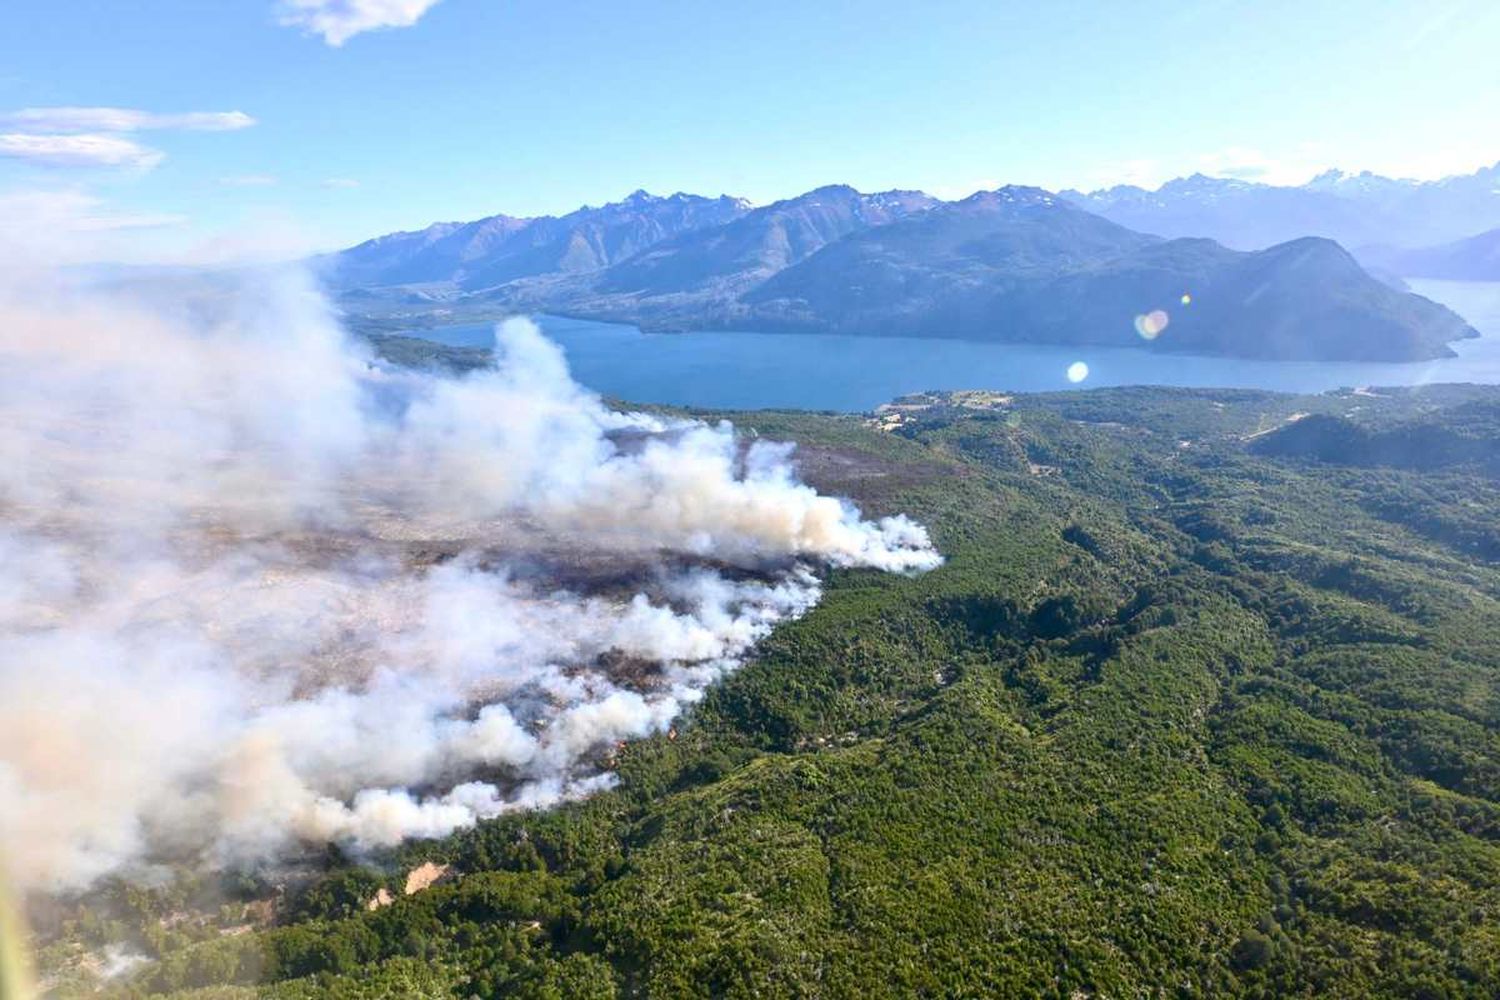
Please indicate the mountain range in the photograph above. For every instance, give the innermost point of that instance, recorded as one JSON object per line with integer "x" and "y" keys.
{"x": 501, "y": 248}
{"x": 1014, "y": 264}
{"x": 1476, "y": 258}
{"x": 1357, "y": 210}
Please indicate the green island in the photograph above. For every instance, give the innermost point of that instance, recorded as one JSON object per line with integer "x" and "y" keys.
{"x": 1204, "y": 702}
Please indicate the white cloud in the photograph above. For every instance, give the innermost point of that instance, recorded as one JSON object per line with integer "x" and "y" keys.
{"x": 94, "y": 137}
{"x": 248, "y": 180}
{"x": 340, "y": 20}
{"x": 73, "y": 119}
{"x": 113, "y": 222}
{"x": 66, "y": 223}
{"x": 345, "y": 183}
{"x": 1246, "y": 164}
{"x": 1141, "y": 172}
{"x": 40, "y": 227}
{"x": 86, "y": 150}
{"x": 73, "y": 211}
{"x": 953, "y": 191}
{"x": 1435, "y": 161}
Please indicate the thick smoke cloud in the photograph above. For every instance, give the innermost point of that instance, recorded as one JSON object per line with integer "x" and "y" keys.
{"x": 259, "y": 591}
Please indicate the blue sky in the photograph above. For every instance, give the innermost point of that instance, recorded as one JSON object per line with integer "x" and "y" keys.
{"x": 533, "y": 106}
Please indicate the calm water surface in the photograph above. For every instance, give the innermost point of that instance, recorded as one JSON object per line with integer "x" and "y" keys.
{"x": 731, "y": 370}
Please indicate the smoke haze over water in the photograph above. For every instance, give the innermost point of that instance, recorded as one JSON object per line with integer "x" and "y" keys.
{"x": 259, "y": 591}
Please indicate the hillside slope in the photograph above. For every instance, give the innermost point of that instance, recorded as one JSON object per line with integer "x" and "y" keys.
{"x": 1021, "y": 265}
{"x": 1476, "y": 258}
{"x": 1016, "y": 264}
{"x": 502, "y": 248}
{"x": 1173, "y": 712}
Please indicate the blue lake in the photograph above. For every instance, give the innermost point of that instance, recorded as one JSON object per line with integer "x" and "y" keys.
{"x": 732, "y": 370}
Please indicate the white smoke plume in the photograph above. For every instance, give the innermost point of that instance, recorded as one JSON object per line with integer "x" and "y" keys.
{"x": 260, "y": 591}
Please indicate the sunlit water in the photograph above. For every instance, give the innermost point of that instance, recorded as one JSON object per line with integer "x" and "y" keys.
{"x": 733, "y": 370}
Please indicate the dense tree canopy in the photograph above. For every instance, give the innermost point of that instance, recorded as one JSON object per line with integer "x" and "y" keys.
{"x": 1200, "y": 705}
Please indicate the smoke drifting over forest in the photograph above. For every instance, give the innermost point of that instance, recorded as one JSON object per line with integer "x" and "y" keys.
{"x": 259, "y": 591}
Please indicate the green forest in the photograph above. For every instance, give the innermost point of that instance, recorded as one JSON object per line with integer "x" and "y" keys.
{"x": 1203, "y": 703}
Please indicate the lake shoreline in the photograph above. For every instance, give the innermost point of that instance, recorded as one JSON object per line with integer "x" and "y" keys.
{"x": 741, "y": 370}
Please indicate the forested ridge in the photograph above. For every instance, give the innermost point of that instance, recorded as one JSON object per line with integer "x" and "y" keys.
{"x": 1197, "y": 706}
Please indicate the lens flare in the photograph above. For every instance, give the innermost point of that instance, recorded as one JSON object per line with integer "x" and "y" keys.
{"x": 1078, "y": 371}
{"x": 1187, "y": 299}
{"x": 1151, "y": 324}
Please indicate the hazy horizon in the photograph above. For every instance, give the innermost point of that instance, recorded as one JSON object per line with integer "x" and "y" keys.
{"x": 313, "y": 125}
